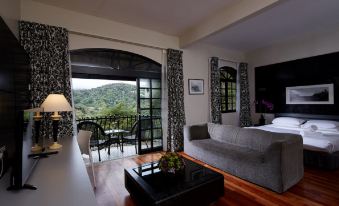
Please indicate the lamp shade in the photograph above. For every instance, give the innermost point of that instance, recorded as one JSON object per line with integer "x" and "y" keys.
{"x": 56, "y": 103}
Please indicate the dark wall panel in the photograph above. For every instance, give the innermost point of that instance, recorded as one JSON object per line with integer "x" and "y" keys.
{"x": 271, "y": 82}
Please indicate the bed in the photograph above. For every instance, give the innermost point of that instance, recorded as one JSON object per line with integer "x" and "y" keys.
{"x": 321, "y": 148}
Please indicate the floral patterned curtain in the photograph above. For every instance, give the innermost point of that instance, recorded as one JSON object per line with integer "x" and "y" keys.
{"x": 215, "y": 91}
{"x": 176, "y": 110}
{"x": 47, "y": 47}
{"x": 245, "y": 106}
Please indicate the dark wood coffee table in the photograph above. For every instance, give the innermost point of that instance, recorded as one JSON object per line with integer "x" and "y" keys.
{"x": 197, "y": 185}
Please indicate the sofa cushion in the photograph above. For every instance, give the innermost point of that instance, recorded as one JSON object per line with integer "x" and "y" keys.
{"x": 223, "y": 133}
{"x": 198, "y": 131}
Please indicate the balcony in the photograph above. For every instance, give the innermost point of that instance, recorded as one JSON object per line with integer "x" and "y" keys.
{"x": 123, "y": 135}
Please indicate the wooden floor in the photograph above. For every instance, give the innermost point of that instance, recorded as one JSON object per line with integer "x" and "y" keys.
{"x": 317, "y": 187}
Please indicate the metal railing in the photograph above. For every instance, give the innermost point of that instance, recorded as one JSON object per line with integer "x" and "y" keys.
{"x": 113, "y": 122}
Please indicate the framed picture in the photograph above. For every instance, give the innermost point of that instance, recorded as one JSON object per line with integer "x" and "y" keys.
{"x": 312, "y": 94}
{"x": 196, "y": 86}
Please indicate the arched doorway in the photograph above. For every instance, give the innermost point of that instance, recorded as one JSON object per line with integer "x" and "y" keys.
{"x": 110, "y": 64}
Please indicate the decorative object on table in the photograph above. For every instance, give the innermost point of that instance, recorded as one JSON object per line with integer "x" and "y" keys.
{"x": 56, "y": 103}
{"x": 171, "y": 163}
{"x": 196, "y": 86}
{"x": 264, "y": 107}
{"x": 312, "y": 94}
{"x": 37, "y": 122}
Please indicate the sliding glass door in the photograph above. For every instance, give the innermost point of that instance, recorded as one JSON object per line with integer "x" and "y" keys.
{"x": 149, "y": 108}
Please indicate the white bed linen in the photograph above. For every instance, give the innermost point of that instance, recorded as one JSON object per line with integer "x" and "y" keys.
{"x": 324, "y": 141}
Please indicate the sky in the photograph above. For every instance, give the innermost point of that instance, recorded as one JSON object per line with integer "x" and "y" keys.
{"x": 94, "y": 83}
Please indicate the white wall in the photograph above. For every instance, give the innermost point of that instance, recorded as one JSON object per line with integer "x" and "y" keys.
{"x": 10, "y": 12}
{"x": 196, "y": 66}
{"x": 296, "y": 49}
{"x": 195, "y": 58}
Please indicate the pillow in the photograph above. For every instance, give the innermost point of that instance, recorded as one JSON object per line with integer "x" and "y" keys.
{"x": 321, "y": 124}
{"x": 288, "y": 121}
{"x": 222, "y": 133}
{"x": 335, "y": 130}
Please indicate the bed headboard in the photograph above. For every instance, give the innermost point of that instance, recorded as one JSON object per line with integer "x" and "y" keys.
{"x": 308, "y": 116}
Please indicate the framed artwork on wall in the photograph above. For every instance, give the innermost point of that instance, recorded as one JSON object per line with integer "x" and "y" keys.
{"x": 312, "y": 94}
{"x": 196, "y": 86}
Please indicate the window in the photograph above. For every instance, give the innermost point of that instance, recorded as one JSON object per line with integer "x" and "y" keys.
{"x": 228, "y": 82}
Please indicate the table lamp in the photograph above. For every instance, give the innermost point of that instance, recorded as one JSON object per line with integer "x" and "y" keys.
{"x": 37, "y": 122}
{"x": 56, "y": 103}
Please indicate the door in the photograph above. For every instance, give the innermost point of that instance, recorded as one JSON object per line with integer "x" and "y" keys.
{"x": 149, "y": 109}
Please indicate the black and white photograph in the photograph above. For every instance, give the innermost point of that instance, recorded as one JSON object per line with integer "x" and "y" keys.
{"x": 196, "y": 86}
{"x": 312, "y": 94}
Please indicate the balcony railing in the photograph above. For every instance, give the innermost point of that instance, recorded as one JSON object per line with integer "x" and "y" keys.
{"x": 125, "y": 122}
{"x": 113, "y": 122}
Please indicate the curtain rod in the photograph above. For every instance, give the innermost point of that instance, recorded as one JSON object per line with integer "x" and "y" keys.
{"x": 115, "y": 40}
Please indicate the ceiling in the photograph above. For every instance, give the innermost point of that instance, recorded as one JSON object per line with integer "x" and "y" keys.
{"x": 279, "y": 22}
{"x": 171, "y": 17}
{"x": 291, "y": 19}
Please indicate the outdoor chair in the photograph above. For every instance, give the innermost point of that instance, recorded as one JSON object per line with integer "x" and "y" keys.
{"x": 132, "y": 137}
{"x": 99, "y": 139}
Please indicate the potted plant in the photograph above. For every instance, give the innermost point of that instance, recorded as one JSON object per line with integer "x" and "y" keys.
{"x": 266, "y": 106}
{"x": 171, "y": 163}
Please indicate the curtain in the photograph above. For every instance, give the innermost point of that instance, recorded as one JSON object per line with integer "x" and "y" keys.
{"x": 215, "y": 91}
{"x": 164, "y": 98}
{"x": 176, "y": 110}
{"x": 47, "y": 47}
{"x": 245, "y": 106}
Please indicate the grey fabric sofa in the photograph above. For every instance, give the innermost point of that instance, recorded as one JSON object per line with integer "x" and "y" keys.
{"x": 268, "y": 159}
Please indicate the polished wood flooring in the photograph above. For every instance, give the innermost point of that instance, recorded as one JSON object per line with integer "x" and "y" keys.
{"x": 316, "y": 188}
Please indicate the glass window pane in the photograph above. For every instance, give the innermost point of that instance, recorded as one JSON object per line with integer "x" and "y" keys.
{"x": 156, "y": 83}
{"x": 156, "y": 112}
{"x": 157, "y": 133}
{"x": 229, "y": 92}
{"x": 145, "y": 124}
{"x": 145, "y": 83}
{"x": 223, "y": 92}
{"x": 145, "y": 112}
{"x": 223, "y": 100}
{"x": 156, "y": 93}
{"x": 145, "y": 93}
{"x": 223, "y": 85}
{"x": 144, "y": 103}
{"x": 223, "y": 107}
{"x": 156, "y": 123}
{"x": 156, "y": 103}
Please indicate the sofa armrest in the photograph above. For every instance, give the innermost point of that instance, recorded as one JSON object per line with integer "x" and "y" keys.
{"x": 196, "y": 132}
{"x": 287, "y": 155}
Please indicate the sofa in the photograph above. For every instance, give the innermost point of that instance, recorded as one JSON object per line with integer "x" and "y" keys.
{"x": 271, "y": 160}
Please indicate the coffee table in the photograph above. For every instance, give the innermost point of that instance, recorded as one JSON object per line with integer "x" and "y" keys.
{"x": 196, "y": 185}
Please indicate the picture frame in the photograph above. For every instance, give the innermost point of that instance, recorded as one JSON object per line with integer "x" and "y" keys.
{"x": 311, "y": 94}
{"x": 196, "y": 86}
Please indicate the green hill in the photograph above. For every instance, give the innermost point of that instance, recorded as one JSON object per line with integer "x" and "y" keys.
{"x": 111, "y": 99}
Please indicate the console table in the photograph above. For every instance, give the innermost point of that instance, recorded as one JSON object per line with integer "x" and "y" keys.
{"x": 61, "y": 179}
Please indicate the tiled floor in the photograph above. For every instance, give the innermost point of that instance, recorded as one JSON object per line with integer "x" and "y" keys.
{"x": 129, "y": 150}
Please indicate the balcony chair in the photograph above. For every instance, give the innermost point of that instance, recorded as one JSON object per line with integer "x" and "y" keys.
{"x": 132, "y": 137}
{"x": 99, "y": 139}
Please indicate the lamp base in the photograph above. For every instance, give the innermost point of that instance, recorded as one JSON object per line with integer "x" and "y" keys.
{"x": 36, "y": 148}
{"x": 55, "y": 146}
